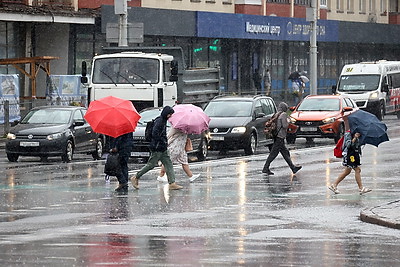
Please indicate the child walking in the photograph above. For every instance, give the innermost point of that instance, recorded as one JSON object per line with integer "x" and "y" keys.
{"x": 351, "y": 161}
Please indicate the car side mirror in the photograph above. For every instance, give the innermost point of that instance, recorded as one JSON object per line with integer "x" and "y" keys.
{"x": 260, "y": 115}
{"x": 84, "y": 78}
{"x": 385, "y": 88}
{"x": 14, "y": 123}
{"x": 345, "y": 109}
{"x": 79, "y": 123}
{"x": 292, "y": 108}
{"x": 174, "y": 71}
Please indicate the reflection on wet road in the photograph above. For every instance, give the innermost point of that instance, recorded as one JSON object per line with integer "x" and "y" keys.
{"x": 58, "y": 214}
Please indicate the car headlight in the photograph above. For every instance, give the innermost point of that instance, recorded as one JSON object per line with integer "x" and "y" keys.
{"x": 374, "y": 95}
{"x": 329, "y": 120}
{"x": 11, "y": 136}
{"x": 292, "y": 120}
{"x": 51, "y": 137}
{"x": 239, "y": 129}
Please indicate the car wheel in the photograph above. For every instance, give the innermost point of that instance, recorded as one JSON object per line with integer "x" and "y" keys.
{"x": 380, "y": 113}
{"x": 12, "y": 157}
{"x": 68, "y": 152}
{"x": 340, "y": 133}
{"x": 398, "y": 114}
{"x": 203, "y": 150}
{"x": 251, "y": 145}
{"x": 98, "y": 153}
{"x": 290, "y": 138}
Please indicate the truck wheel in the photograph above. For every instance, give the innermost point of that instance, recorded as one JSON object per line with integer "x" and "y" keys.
{"x": 12, "y": 157}
{"x": 290, "y": 138}
{"x": 203, "y": 150}
{"x": 68, "y": 152}
{"x": 398, "y": 114}
{"x": 98, "y": 153}
{"x": 251, "y": 145}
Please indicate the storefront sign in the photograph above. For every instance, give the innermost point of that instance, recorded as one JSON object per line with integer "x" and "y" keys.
{"x": 263, "y": 27}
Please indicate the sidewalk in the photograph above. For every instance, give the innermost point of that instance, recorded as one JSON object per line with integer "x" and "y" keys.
{"x": 386, "y": 215}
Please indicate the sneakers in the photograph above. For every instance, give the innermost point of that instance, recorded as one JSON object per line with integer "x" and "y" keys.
{"x": 333, "y": 189}
{"x": 267, "y": 172}
{"x": 135, "y": 182}
{"x": 296, "y": 169}
{"x": 194, "y": 177}
{"x": 174, "y": 186}
{"x": 364, "y": 190}
{"x": 122, "y": 188}
{"x": 162, "y": 179}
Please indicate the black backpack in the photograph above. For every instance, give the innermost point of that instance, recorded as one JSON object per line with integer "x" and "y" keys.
{"x": 270, "y": 128}
{"x": 149, "y": 130}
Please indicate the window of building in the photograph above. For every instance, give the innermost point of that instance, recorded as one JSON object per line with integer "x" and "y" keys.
{"x": 350, "y": 6}
{"x": 361, "y": 6}
{"x": 383, "y": 7}
{"x": 339, "y": 5}
{"x": 11, "y": 44}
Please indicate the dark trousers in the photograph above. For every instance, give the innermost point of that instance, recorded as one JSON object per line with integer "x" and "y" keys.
{"x": 123, "y": 162}
{"x": 278, "y": 146}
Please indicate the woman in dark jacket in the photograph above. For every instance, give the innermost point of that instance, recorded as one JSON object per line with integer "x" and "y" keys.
{"x": 159, "y": 150}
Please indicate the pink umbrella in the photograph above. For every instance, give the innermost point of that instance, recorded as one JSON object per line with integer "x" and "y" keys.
{"x": 189, "y": 119}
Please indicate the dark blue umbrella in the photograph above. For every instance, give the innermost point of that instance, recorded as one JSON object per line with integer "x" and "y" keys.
{"x": 372, "y": 130}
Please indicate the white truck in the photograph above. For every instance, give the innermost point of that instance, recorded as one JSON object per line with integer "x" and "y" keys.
{"x": 149, "y": 77}
{"x": 374, "y": 86}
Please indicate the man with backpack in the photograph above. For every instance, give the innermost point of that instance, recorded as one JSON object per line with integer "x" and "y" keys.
{"x": 282, "y": 124}
{"x": 159, "y": 150}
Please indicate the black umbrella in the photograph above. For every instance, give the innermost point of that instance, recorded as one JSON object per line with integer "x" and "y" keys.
{"x": 294, "y": 76}
{"x": 372, "y": 130}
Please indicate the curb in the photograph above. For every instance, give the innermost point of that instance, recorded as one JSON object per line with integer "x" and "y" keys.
{"x": 381, "y": 215}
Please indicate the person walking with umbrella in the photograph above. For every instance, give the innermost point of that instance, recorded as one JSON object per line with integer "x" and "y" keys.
{"x": 123, "y": 146}
{"x": 159, "y": 151}
{"x": 176, "y": 148}
{"x": 351, "y": 161}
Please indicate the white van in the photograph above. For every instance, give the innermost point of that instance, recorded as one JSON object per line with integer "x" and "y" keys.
{"x": 374, "y": 86}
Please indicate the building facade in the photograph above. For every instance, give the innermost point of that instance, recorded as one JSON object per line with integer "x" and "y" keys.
{"x": 241, "y": 37}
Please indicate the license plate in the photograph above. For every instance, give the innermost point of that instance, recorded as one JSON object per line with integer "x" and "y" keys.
{"x": 217, "y": 138}
{"x": 140, "y": 154}
{"x": 309, "y": 129}
{"x": 28, "y": 144}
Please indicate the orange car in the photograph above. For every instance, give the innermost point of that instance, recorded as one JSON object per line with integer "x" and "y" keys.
{"x": 320, "y": 116}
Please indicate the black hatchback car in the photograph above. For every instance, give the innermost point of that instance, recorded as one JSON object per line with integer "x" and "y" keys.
{"x": 237, "y": 122}
{"x": 53, "y": 131}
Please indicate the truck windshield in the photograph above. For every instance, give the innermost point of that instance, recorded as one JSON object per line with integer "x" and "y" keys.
{"x": 126, "y": 70}
{"x": 358, "y": 82}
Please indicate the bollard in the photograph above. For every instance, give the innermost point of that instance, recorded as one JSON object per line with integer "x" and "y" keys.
{"x": 6, "y": 116}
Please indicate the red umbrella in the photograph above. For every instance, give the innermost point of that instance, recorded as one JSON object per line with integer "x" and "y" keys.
{"x": 189, "y": 119}
{"x": 112, "y": 116}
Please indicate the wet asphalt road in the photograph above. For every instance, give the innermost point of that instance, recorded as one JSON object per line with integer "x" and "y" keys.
{"x": 58, "y": 214}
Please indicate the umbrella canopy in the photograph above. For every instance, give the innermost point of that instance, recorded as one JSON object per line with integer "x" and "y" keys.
{"x": 304, "y": 79}
{"x": 372, "y": 130}
{"x": 189, "y": 119}
{"x": 112, "y": 116}
{"x": 294, "y": 75}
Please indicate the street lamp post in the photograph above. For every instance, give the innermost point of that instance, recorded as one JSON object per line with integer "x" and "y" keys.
{"x": 312, "y": 16}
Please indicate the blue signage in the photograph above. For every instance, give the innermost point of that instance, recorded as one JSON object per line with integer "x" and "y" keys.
{"x": 241, "y": 26}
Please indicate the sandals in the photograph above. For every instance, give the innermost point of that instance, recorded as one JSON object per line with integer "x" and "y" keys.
{"x": 364, "y": 190}
{"x": 334, "y": 189}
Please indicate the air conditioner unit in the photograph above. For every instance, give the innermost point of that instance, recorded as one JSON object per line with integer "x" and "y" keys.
{"x": 372, "y": 18}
